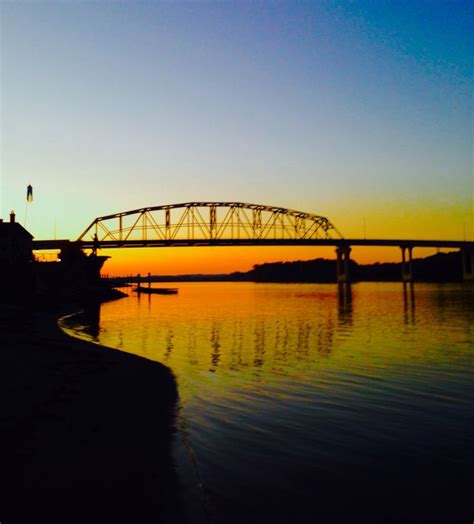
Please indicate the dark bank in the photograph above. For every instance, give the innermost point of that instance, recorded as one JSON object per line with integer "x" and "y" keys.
{"x": 85, "y": 432}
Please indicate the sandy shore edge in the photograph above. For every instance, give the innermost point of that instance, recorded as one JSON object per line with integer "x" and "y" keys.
{"x": 85, "y": 432}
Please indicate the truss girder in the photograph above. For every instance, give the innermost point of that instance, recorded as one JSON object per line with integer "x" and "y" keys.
{"x": 210, "y": 221}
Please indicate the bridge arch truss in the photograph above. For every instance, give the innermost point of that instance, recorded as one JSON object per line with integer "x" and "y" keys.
{"x": 208, "y": 223}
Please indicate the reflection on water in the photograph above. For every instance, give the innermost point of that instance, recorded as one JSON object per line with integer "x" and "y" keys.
{"x": 409, "y": 303}
{"x": 344, "y": 401}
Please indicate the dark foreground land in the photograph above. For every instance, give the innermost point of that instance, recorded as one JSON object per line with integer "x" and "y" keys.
{"x": 85, "y": 433}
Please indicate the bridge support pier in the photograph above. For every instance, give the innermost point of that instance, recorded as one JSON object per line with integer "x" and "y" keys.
{"x": 467, "y": 254}
{"x": 343, "y": 264}
{"x": 407, "y": 265}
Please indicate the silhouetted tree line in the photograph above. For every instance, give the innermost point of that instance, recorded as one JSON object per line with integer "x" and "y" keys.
{"x": 442, "y": 267}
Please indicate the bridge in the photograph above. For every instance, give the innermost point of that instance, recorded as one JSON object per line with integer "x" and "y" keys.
{"x": 239, "y": 224}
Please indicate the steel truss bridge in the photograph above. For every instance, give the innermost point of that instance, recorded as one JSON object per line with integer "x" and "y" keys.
{"x": 237, "y": 224}
{"x": 207, "y": 223}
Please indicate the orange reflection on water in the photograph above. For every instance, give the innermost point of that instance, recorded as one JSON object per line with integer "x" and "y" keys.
{"x": 360, "y": 394}
{"x": 241, "y": 333}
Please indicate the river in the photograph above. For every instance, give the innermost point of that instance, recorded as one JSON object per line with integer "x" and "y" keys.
{"x": 310, "y": 403}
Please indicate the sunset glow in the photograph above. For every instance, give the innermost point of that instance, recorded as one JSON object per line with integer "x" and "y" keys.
{"x": 357, "y": 112}
{"x": 237, "y": 261}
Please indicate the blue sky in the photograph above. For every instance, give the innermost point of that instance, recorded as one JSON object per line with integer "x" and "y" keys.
{"x": 355, "y": 110}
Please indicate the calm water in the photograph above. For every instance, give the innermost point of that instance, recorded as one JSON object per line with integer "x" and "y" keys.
{"x": 305, "y": 404}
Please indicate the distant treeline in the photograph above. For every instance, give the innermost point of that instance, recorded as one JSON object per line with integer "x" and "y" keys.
{"x": 442, "y": 267}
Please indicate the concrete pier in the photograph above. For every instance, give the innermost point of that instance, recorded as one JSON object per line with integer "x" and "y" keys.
{"x": 343, "y": 264}
{"x": 467, "y": 254}
{"x": 407, "y": 265}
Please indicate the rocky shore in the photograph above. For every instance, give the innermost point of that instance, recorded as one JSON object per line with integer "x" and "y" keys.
{"x": 85, "y": 432}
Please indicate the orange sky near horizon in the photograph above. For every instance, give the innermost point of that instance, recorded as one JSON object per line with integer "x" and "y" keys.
{"x": 216, "y": 260}
{"x": 385, "y": 219}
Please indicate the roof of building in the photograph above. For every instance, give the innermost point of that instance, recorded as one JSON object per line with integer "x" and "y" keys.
{"x": 9, "y": 228}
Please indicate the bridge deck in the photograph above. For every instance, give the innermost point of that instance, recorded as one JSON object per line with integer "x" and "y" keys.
{"x": 40, "y": 245}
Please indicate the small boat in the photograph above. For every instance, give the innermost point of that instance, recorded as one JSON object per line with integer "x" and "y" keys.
{"x": 157, "y": 290}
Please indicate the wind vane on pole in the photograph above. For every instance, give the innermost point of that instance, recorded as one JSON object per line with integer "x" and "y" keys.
{"x": 29, "y": 198}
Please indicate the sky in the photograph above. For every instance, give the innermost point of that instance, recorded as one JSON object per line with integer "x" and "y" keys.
{"x": 358, "y": 111}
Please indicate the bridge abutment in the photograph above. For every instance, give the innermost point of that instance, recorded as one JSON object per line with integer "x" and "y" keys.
{"x": 343, "y": 264}
{"x": 467, "y": 255}
{"x": 407, "y": 264}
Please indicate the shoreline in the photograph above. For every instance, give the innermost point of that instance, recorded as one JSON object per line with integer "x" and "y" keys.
{"x": 194, "y": 505}
{"x": 86, "y": 435}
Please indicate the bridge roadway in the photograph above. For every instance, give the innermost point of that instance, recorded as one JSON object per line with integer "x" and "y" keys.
{"x": 40, "y": 245}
